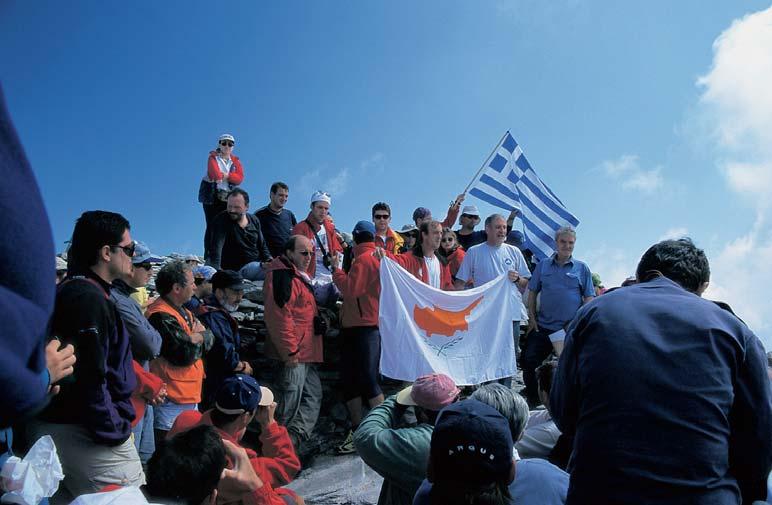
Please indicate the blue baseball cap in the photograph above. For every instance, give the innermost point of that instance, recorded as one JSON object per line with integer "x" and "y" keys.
{"x": 241, "y": 393}
{"x": 515, "y": 237}
{"x": 204, "y": 272}
{"x": 471, "y": 442}
{"x": 142, "y": 254}
{"x": 364, "y": 227}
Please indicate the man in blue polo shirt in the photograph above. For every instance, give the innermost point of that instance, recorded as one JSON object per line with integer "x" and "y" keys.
{"x": 565, "y": 284}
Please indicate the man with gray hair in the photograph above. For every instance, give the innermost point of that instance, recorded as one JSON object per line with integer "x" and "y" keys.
{"x": 537, "y": 482}
{"x": 491, "y": 259}
{"x": 565, "y": 284}
{"x": 184, "y": 339}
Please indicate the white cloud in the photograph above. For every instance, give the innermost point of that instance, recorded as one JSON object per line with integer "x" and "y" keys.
{"x": 674, "y": 233}
{"x": 627, "y": 170}
{"x": 336, "y": 183}
{"x": 611, "y": 263}
{"x": 735, "y": 110}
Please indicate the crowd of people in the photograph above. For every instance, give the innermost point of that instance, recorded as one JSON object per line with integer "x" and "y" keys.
{"x": 646, "y": 393}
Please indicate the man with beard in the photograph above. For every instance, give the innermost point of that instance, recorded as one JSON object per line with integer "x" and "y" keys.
{"x": 223, "y": 358}
{"x": 237, "y": 239}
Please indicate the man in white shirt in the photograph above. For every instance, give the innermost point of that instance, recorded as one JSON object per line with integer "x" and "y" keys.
{"x": 489, "y": 260}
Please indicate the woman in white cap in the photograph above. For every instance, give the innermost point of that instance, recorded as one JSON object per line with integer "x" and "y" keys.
{"x": 223, "y": 173}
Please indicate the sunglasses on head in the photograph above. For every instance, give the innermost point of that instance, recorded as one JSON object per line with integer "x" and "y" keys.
{"x": 381, "y": 216}
{"x": 226, "y": 143}
{"x": 146, "y": 266}
{"x": 127, "y": 249}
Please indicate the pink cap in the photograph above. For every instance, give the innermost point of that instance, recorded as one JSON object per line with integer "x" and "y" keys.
{"x": 432, "y": 392}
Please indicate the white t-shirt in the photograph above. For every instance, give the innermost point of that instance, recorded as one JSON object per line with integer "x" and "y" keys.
{"x": 225, "y": 169}
{"x": 433, "y": 271}
{"x": 323, "y": 273}
{"x": 483, "y": 263}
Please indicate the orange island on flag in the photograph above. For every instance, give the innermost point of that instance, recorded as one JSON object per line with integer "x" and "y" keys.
{"x": 437, "y": 321}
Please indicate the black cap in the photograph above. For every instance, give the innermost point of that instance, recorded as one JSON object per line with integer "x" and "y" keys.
{"x": 228, "y": 279}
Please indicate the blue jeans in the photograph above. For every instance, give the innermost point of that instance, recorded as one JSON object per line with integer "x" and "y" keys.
{"x": 253, "y": 271}
{"x": 144, "y": 440}
{"x": 167, "y": 412}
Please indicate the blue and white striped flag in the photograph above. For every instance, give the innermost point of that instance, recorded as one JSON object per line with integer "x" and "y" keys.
{"x": 509, "y": 182}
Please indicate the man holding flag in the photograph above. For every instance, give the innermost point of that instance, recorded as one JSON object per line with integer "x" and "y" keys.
{"x": 491, "y": 259}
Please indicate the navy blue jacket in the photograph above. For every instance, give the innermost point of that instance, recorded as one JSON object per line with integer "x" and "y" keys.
{"x": 26, "y": 279}
{"x": 99, "y": 394}
{"x": 668, "y": 398}
{"x": 223, "y": 357}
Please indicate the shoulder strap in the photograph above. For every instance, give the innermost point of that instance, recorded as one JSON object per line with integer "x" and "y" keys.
{"x": 316, "y": 236}
{"x": 82, "y": 278}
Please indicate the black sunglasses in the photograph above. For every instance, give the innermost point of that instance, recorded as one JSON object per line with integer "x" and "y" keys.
{"x": 128, "y": 249}
{"x": 146, "y": 266}
{"x": 381, "y": 216}
{"x": 305, "y": 253}
{"x": 226, "y": 143}
{"x": 448, "y": 239}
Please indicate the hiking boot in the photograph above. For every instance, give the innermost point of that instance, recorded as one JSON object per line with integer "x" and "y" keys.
{"x": 347, "y": 447}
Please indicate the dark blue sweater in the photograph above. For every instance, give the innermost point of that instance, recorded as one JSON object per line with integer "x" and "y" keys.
{"x": 668, "y": 398}
{"x": 27, "y": 275}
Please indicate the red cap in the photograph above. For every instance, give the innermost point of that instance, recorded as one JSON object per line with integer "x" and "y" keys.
{"x": 432, "y": 392}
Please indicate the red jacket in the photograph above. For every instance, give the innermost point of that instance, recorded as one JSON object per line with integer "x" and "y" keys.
{"x": 361, "y": 287}
{"x": 276, "y": 467}
{"x": 455, "y": 259}
{"x": 148, "y": 387}
{"x": 417, "y": 267}
{"x": 289, "y": 314}
{"x": 393, "y": 242}
{"x": 309, "y": 229}
{"x": 235, "y": 177}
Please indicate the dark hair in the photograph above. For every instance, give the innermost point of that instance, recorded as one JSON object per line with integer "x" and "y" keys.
{"x": 239, "y": 191}
{"x": 362, "y": 237}
{"x": 220, "y": 418}
{"x": 418, "y": 249}
{"x": 381, "y": 206}
{"x": 187, "y": 467}
{"x": 94, "y": 229}
{"x": 291, "y": 242}
{"x": 456, "y": 493}
{"x": 678, "y": 260}
{"x": 544, "y": 374}
{"x": 174, "y": 272}
{"x": 276, "y": 185}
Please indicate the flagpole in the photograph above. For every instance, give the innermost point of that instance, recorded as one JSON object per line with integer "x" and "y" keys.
{"x": 486, "y": 159}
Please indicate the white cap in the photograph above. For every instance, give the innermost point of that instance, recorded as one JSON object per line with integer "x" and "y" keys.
{"x": 226, "y": 136}
{"x": 321, "y": 196}
{"x": 470, "y": 210}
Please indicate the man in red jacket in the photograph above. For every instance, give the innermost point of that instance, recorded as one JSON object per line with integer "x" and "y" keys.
{"x": 361, "y": 349}
{"x": 318, "y": 228}
{"x": 290, "y": 309}
{"x": 423, "y": 262}
{"x": 240, "y": 400}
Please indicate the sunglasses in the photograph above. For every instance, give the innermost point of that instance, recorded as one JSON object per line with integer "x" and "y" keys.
{"x": 306, "y": 253}
{"x": 381, "y": 216}
{"x": 226, "y": 143}
{"x": 199, "y": 281}
{"x": 448, "y": 239}
{"x": 127, "y": 249}
{"x": 146, "y": 266}
{"x": 469, "y": 216}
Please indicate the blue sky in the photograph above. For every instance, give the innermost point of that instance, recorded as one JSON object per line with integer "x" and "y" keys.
{"x": 627, "y": 110}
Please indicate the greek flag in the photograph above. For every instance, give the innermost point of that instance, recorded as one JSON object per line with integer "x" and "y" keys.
{"x": 509, "y": 182}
